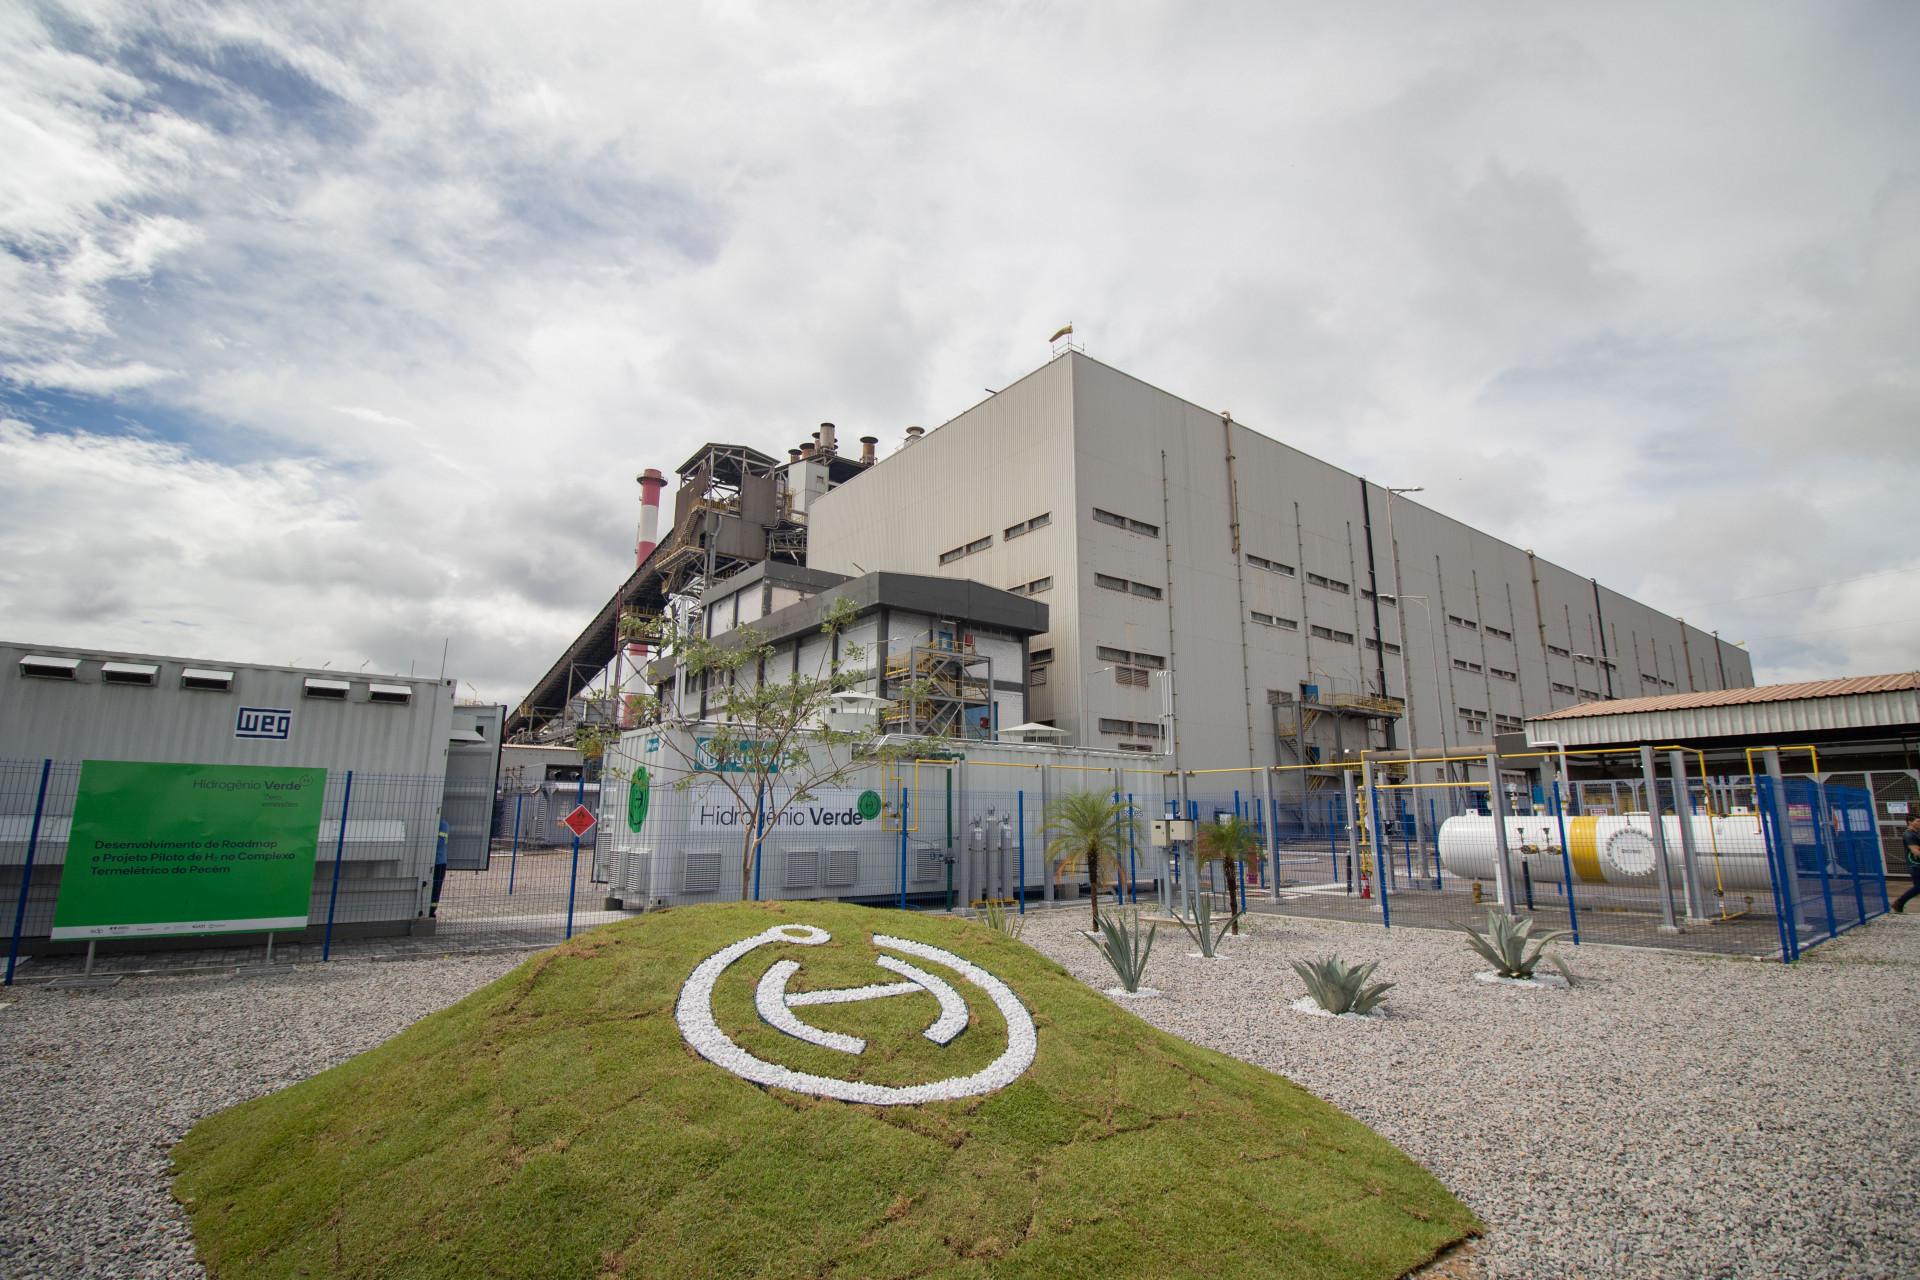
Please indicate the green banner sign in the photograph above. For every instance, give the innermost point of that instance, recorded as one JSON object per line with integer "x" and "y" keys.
{"x": 189, "y": 848}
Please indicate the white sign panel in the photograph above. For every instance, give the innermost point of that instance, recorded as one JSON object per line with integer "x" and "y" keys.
{"x": 716, "y": 810}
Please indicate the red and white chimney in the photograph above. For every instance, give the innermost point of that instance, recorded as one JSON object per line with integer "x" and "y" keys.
{"x": 651, "y": 483}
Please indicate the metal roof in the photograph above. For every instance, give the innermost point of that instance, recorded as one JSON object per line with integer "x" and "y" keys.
{"x": 1855, "y": 703}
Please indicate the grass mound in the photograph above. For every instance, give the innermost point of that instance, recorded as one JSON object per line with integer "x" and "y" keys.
{"x": 555, "y": 1124}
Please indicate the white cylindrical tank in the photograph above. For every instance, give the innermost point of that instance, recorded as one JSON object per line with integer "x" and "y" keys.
{"x": 1729, "y": 853}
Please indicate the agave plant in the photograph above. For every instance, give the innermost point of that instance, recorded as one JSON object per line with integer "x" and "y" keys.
{"x": 996, "y": 914}
{"x": 1338, "y": 989}
{"x": 1505, "y": 944}
{"x": 1204, "y": 936}
{"x": 1121, "y": 944}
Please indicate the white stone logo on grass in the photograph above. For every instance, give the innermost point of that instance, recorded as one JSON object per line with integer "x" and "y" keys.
{"x": 776, "y": 1006}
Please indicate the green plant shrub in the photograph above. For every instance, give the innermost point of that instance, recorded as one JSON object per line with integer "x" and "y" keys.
{"x": 1004, "y": 918}
{"x": 1505, "y": 945}
{"x": 1338, "y": 989}
{"x": 1121, "y": 944}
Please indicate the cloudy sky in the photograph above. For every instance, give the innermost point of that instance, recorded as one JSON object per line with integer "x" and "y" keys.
{"x": 330, "y": 332}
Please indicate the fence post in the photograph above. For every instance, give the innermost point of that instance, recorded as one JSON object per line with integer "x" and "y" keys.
{"x": 1350, "y": 817}
{"x": 759, "y": 834}
{"x": 1657, "y": 827}
{"x": 1020, "y": 806}
{"x": 26, "y": 872}
{"x": 1503, "y": 856}
{"x": 1433, "y": 825}
{"x": 1689, "y": 847}
{"x": 339, "y": 852}
{"x": 1770, "y": 836}
{"x": 1380, "y": 856}
{"x": 903, "y": 845}
{"x": 513, "y": 858}
{"x": 1133, "y": 852}
{"x": 1273, "y": 838}
{"x": 1566, "y": 863}
{"x": 573, "y": 874}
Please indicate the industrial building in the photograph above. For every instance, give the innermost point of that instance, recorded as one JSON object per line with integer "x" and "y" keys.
{"x": 1216, "y": 599}
{"x": 415, "y": 754}
{"x": 1227, "y": 600}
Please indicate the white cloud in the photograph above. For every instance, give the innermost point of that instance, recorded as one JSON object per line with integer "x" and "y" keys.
{"x": 427, "y": 285}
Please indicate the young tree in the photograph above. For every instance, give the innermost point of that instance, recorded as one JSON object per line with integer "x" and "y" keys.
{"x": 1090, "y": 827}
{"x": 765, "y": 738}
{"x": 1231, "y": 842}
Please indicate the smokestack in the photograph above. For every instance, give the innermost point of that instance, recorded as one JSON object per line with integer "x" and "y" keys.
{"x": 808, "y": 449}
{"x": 651, "y": 483}
{"x": 866, "y": 449}
{"x": 826, "y": 438}
{"x": 913, "y": 436}
{"x": 793, "y": 455}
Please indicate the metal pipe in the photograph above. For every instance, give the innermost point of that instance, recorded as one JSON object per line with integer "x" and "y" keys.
{"x": 1273, "y": 837}
{"x": 1659, "y": 832}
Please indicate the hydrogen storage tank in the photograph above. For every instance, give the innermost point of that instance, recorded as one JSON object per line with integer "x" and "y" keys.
{"x": 1729, "y": 852}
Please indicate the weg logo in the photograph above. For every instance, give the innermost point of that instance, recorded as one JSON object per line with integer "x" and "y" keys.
{"x": 262, "y": 722}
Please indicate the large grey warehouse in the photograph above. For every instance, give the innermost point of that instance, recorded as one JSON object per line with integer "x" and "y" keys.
{"x": 1218, "y": 596}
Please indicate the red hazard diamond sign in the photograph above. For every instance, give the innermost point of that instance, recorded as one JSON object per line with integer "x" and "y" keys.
{"x": 580, "y": 821}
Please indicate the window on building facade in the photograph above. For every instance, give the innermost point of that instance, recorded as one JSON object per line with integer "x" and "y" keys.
{"x": 1498, "y": 674}
{"x": 1040, "y": 655}
{"x": 1458, "y": 621}
{"x": 1331, "y": 584}
{"x": 979, "y": 544}
{"x": 1271, "y": 566}
{"x": 1038, "y": 585}
{"x": 1463, "y": 665}
{"x": 1507, "y": 724}
{"x": 1132, "y": 677}
{"x": 1040, "y": 521}
{"x": 1127, "y": 523}
{"x": 1142, "y": 589}
{"x": 1106, "y": 654}
{"x": 1328, "y": 633}
{"x": 1473, "y": 721}
{"x": 1492, "y": 630}
{"x": 1558, "y": 652}
{"x": 1562, "y": 688}
{"x": 1375, "y": 644}
{"x": 1110, "y": 583}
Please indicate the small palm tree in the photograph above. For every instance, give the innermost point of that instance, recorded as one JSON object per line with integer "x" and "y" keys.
{"x": 1090, "y": 827}
{"x": 1232, "y": 842}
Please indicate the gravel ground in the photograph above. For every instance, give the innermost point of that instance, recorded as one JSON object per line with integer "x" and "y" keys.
{"x": 99, "y": 1085}
{"x": 1672, "y": 1115}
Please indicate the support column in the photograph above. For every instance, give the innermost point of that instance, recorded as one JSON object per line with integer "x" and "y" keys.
{"x": 1658, "y": 829}
{"x": 1689, "y": 849}
{"x": 1503, "y": 857}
